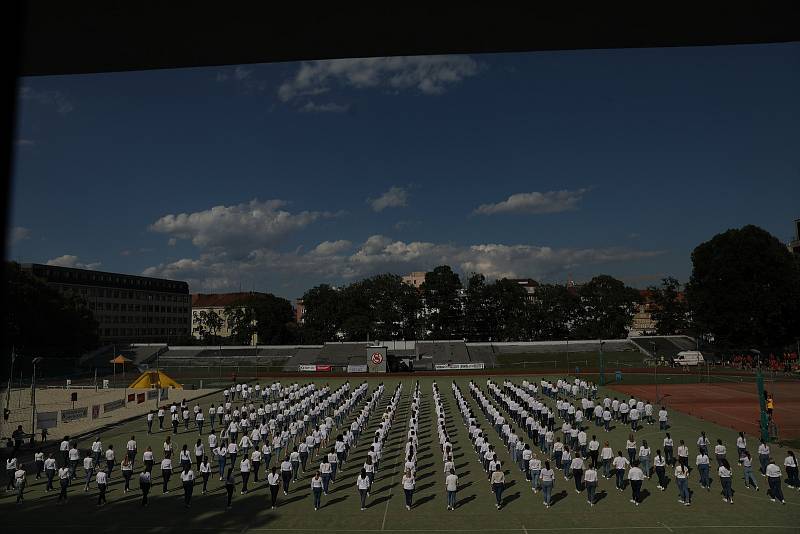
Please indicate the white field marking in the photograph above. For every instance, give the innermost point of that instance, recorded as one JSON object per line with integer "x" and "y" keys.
{"x": 665, "y": 526}
{"x": 525, "y": 530}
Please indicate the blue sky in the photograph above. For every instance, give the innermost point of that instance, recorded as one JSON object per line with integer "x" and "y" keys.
{"x": 280, "y": 177}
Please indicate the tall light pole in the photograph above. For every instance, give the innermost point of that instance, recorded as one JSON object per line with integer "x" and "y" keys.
{"x": 602, "y": 366}
{"x": 655, "y": 368}
{"x": 35, "y": 361}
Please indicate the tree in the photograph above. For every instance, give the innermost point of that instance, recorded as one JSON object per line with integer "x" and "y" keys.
{"x": 744, "y": 291}
{"x": 440, "y": 293}
{"x": 606, "y": 309}
{"x": 274, "y": 319}
{"x": 670, "y": 312}
{"x": 476, "y": 314}
{"x": 552, "y": 314}
{"x": 357, "y": 316}
{"x": 209, "y": 324}
{"x": 242, "y": 323}
{"x": 322, "y": 315}
{"x": 41, "y": 321}
{"x": 506, "y": 310}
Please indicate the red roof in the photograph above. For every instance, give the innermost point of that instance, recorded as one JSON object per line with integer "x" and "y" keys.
{"x": 220, "y": 300}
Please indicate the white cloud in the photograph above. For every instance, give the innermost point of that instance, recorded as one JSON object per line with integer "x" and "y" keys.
{"x": 237, "y": 228}
{"x": 47, "y": 97}
{"x": 243, "y": 79}
{"x": 549, "y": 202}
{"x": 19, "y": 233}
{"x": 68, "y": 260}
{"x": 331, "y": 262}
{"x": 328, "y": 107}
{"x": 427, "y": 74}
{"x": 395, "y": 197}
{"x": 172, "y": 242}
{"x": 329, "y": 248}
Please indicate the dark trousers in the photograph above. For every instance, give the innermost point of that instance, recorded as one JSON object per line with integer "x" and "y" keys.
{"x": 245, "y": 478}
{"x": 775, "y": 490}
{"x": 188, "y": 488}
{"x": 577, "y": 474}
{"x": 64, "y": 486}
{"x": 229, "y": 489}
{"x": 273, "y": 492}
{"x": 50, "y": 473}
{"x": 101, "y": 497}
{"x": 409, "y": 495}
{"x": 126, "y": 474}
{"x": 145, "y": 487}
{"x": 165, "y": 474}
{"x": 636, "y": 488}
{"x": 287, "y": 478}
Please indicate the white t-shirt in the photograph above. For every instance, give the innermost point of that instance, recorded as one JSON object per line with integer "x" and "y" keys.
{"x": 451, "y": 481}
{"x": 362, "y": 483}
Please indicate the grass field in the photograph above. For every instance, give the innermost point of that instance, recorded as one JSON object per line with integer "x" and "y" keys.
{"x": 522, "y": 512}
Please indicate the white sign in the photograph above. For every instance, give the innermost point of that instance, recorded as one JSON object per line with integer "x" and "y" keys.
{"x": 105, "y": 384}
{"x": 69, "y": 383}
{"x": 356, "y": 368}
{"x": 307, "y": 367}
{"x": 458, "y": 366}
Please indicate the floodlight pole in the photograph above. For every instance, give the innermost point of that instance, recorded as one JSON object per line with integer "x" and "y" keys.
{"x": 602, "y": 366}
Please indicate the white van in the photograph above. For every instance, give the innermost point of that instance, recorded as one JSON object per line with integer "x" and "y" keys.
{"x": 688, "y": 358}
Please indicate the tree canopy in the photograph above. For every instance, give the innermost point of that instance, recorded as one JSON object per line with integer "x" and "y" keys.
{"x": 744, "y": 291}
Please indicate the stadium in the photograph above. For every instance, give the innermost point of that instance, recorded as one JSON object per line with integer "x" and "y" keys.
{"x": 389, "y": 269}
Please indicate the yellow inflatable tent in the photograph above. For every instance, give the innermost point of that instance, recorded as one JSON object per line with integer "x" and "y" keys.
{"x": 154, "y": 379}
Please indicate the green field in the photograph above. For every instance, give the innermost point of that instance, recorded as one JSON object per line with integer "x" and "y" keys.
{"x": 522, "y": 512}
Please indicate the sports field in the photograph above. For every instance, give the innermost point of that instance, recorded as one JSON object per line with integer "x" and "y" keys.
{"x": 522, "y": 511}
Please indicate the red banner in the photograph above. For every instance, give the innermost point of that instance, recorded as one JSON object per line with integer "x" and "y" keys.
{"x": 324, "y": 367}
{"x": 140, "y": 398}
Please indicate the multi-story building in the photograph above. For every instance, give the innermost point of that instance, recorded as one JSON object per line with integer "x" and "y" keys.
{"x": 299, "y": 311}
{"x": 128, "y": 308}
{"x": 415, "y": 279}
{"x": 218, "y": 303}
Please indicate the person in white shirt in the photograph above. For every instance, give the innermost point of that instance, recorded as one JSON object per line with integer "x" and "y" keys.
{"x": 719, "y": 452}
{"x": 109, "y": 460}
{"x": 636, "y": 476}
{"x": 363, "y": 484}
{"x": 20, "y": 482}
{"x": 74, "y": 458}
{"x": 244, "y": 469}
{"x": 205, "y": 472}
{"x": 451, "y": 486}
{"x": 662, "y": 418}
{"x": 619, "y": 463}
{"x": 790, "y": 463}
{"x": 660, "y": 464}
{"x": 682, "y": 481}
{"x": 498, "y": 481}
{"x": 577, "y": 471}
{"x": 747, "y": 465}
{"x": 273, "y": 481}
{"x": 725, "y": 473}
{"x": 88, "y": 468}
{"x": 316, "y": 490}
{"x": 741, "y": 447}
{"x": 774, "y": 478}
{"x": 286, "y": 474}
{"x": 702, "y": 463}
{"x": 548, "y": 478}
{"x": 102, "y": 484}
{"x": 408, "y": 487}
{"x": 590, "y": 480}
{"x": 166, "y": 473}
{"x": 63, "y": 478}
{"x": 50, "y": 471}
